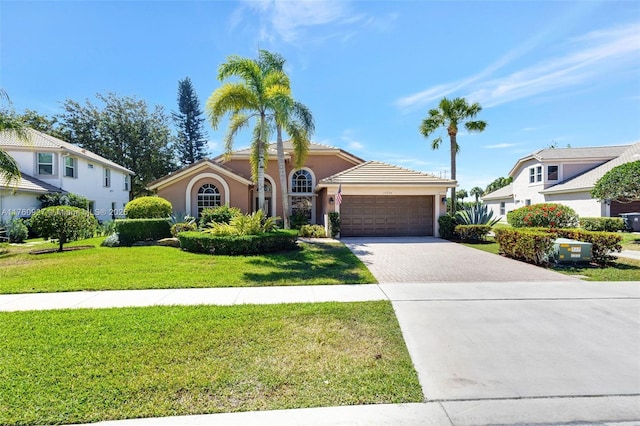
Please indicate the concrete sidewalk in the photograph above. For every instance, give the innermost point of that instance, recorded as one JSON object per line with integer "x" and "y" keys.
{"x": 486, "y": 353}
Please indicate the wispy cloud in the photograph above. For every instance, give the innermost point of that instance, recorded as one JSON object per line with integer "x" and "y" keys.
{"x": 297, "y": 21}
{"x": 597, "y": 54}
{"x": 500, "y": 145}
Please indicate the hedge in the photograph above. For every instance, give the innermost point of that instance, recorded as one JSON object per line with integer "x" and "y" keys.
{"x": 131, "y": 231}
{"x": 446, "y": 225}
{"x": 547, "y": 215}
{"x": 606, "y": 224}
{"x": 535, "y": 244}
{"x": 151, "y": 207}
{"x": 530, "y": 245}
{"x": 238, "y": 245}
{"x": 472, "y": 232}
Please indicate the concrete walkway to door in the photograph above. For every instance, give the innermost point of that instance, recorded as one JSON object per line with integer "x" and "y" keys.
{"x": 429, "y": 259}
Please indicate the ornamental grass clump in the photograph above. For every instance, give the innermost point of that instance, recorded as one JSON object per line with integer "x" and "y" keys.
{"x": 545, "y": 215}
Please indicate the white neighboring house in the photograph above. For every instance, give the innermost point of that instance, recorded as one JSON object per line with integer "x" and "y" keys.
{"x": 564, "y": 176}
{"x": 48, "y": 164}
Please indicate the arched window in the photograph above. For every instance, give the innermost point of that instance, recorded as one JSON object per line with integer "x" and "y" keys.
{"x": 301, "y": 182}
{"x": 208, "y": 196}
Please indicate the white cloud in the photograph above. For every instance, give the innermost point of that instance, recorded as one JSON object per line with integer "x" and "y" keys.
{"x": 500, "y": 145}
{"x": 598, "y": 54}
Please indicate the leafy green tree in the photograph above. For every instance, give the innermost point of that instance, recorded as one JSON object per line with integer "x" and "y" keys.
{"x": 297, "y": 121}
{"x": 64, "y": 223}
{"x": 250, "y": 98}
{"x": 191, "y": 142}
{"x": 477, "y": 192}
{"x": 461, "y": 194}
{"x": 124, "y": 131}
{"x": 500, "y": 182}
{"x": 451, "y": 114}
{"x": 622, "y": 184}
{"x": 42, "y": 123}
{"x": 9, "y": 170}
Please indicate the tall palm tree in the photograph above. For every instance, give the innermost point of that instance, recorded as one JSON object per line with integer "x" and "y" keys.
{"x": 297, "y": 121}
{"x": 451, "y": 114}
{"x": 250, "y": 98}
{"x": 477, "y": 192}
{"x": 9, "y": 169}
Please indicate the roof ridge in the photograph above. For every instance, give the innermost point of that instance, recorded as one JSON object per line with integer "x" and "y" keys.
{"x": 404, "y": 168}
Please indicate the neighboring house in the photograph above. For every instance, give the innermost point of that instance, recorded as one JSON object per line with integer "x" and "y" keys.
{"x": 377, "y": 198}
{"x": 48, "y": 164}
{"x": 564, "y": 176}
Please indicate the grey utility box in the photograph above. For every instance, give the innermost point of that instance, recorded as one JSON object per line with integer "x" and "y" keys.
{"x": 632, "y": 221}
{"x": 567, "y": 250}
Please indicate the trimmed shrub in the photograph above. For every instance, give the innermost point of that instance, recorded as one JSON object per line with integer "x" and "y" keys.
{"x": 148, "y": 208}
{"x": 220, "y": 214}
{"x": 17, "y": 231}
{"x": 298, "y": 219}
{"x": 335, "y": 222}
{"x": 313, "y": 231}
{"x": 131, "y": 231}
{"x": 602, "y": 243}
{"x": 182, "y": 227}
{"x": 545, "y": 215}
{"x": 533, "y": 246}
{"x": 238, "y": 245}
{"x": 64, "y": 223}
{"x": 606, "y": 224}
{"x": 447, "y": 224}
{"x": 472, "y": 232}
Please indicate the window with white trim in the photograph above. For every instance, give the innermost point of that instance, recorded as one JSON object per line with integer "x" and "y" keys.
{"x": 208, "y": 196}
{"x": 45, "y": 163}
{"x": 127, "y": 183}
{"x": 70, "y": 167}
{"x": 502, "y": 207}
{"x": 552, "y": 172}
{"x": 535, "y": 174}
{"x": 107, "y": 178}
{"x": 301, "y": 182}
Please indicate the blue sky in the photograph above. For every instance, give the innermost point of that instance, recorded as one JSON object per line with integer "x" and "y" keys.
{"x": 563, "y": 72}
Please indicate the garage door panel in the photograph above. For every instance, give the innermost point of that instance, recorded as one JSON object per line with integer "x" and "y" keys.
{"x": 386, "y": 215}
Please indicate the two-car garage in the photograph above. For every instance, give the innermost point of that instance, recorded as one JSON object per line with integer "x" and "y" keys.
{"x": 386, "y": 215}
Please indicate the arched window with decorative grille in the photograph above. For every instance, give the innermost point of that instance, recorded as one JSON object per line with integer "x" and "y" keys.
{"x": 208, "y": 196}
{"x": 302, "y": 182}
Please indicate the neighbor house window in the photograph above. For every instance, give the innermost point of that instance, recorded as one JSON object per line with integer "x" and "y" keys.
{"x": 535, "y": 174}
{"x": 552, "y": 172}
{"x": 502, "y": 207}
{"x": 107, "y": 178}
{"x": 301, "y": 181}
{"x": 527, "y": 202}
{"x": 127, "y": 182}
{"x": 208, "y": 196}
{"x": 45, "y": 163}
{"x": 70, "y": 167}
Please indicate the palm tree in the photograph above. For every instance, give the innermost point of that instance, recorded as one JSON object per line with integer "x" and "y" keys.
{"x": 250, "y": 98}
{"x": 9, "y": 169}
{"x": 297, "y": 121}
{"x": 451, "y": 114}
{"x": 461, "y": 194}
{"x": 477, "y": 192}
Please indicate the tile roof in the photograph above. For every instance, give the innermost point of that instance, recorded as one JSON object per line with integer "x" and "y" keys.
{"x": 375, "y": 172}
{"x": 42, "y": 140}
{"x": 501, "y": 193}
{"x": 29, "y": 184}
{"x": 587, "y": 180}
{"x": 202, "y": 163}
{"x": 288, "y": 147}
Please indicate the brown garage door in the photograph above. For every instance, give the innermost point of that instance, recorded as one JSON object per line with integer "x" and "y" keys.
{"x": 386, "y": 215}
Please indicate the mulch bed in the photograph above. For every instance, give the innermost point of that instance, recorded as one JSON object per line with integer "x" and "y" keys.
{"x": 55, "y": 250}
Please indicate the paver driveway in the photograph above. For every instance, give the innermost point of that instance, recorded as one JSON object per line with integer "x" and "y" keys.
{"x": 429, "y": 259}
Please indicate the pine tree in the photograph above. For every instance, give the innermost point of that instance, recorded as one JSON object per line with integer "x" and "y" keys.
{"x": 191, "y": 135}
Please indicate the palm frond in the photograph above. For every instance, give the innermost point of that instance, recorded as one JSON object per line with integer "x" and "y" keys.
{"x": 229, "y": 98}
{"x": 238, "y": 122}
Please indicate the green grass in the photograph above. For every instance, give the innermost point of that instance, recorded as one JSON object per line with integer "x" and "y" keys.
{"x": 619, "y": 270}
{"x": 104, "y": 268}
{"x": 84, "y": 365}
{"x": 630, "y": 241}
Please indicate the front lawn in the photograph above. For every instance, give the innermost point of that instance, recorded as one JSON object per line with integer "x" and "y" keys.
{"x": 84, "y": 365}
{"x": 104, "y": 268}
{"x": 621, "y": 269}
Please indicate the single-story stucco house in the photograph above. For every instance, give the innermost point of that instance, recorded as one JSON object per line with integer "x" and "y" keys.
{"x": 564, "y": 176}
{"x": 48, "y": 164}
{"x": 377, "y": 199}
